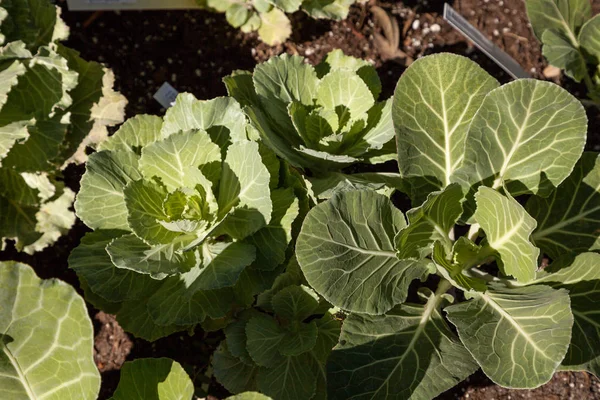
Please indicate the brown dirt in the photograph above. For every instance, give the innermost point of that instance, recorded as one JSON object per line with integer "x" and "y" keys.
{"x": 193, "y": 50}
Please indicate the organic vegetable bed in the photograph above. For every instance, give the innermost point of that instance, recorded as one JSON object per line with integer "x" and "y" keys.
{"x": 194, "y": 50}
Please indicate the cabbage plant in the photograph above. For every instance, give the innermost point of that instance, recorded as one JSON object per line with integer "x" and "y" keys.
{"x": 268, "y": 17}
{"x": 52, "y": 105}
{"x": 498, "y": 180}
{"x": 320, "y": 119}
{"x": 191, "y": 219}
{"x": 569, "y": 35}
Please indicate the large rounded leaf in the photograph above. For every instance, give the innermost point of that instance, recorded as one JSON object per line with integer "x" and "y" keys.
{"x": 526, "y": 135}
{"x": 434, "y": 103}
{"x": 518, "y": 336}
{"x": 346, "y": 251}
{"x": 46, "y": 340}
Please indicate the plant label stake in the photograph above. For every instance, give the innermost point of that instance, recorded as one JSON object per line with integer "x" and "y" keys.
{"x": 506, "y": 62}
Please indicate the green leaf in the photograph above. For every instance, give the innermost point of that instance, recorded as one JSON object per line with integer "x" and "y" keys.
{"x": 347, "y": 253}
{"x": 281, "y": 81}
{"x": 508, "y": 228}
{"x": 153, "y": 379}
{"x": 588, "y": 38}
{"x": 294, "y": 378}
{"x": 53, "y": 219}
{"x": 565, "y": 16}
{"x": 95, "y": 105}
{"x": 273, "y": 240}
{"x": 275, "y": 27}
{"x": 133, "y": 316}
{"x": 231, "y": 372}
{"x": 35, "y": 22}
{"x": 299, "y": 340}
{"x": 430, "y": 223}
{"x": 221, "y": 117}
{"x": 329, "y": 333}
{"x": 289, "y": 6}
{"x": 100, "y": 203}
{"x": 204, "y": 291}
{"x": 264, "y": 337}
{"x": 42, "y": 146}
{"x": 245, "y": 186}
{"x": 295, "y": 303}
{"x": 326, "y": 186}
{"x": 159, "y": 261}
{"x": 452, "y": 270}
{"x": 46, "y": 345}
{"x": 509, "y": 331}
{"x": 237, "y": 15}
{"x": 134, "y": 134}
{"x": 144, "y": 200}
{"x": 408, "y": 353}
{"x": 434, "y": 104}
{"x": 12, "y": 134}
{"x": 171, "y": 159}
{"x": 327, "y": 9}
{"x": 568, "y": 271}
{"x": 568, "y": 218}
{"x": 337, "y": 60}
{"x": 581, "y": 277}
{"x": 561, "y": 53}
{"x": 345, "y": 89}
{"x": 92, "y": 263}
{"x": 526, "y": 135}
{"x": 240, "y": 86}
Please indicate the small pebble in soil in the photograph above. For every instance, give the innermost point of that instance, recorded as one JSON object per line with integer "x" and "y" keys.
{"x": 415, "y": 25}
{"x": 435, "y": 28}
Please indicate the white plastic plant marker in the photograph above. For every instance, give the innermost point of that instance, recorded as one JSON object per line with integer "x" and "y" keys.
{"x": 166, "y": 95}
{"x": 506, "y": 62}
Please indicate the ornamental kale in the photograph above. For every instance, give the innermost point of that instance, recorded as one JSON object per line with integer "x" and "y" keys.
{"x": 570, "y": 37}
{"x": 52, "y": 105}
{"x": 191, "y": 219}
{"x": 470, "y": 152}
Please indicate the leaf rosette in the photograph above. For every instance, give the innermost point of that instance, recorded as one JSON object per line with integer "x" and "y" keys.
{"x": 321, "y": 118}
{"x": 187, "y": 210}
{"x": 468, "y": 150}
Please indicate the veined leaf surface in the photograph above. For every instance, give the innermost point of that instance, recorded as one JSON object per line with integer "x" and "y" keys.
{"x": 434, "y": 103}
{"x": 568, "y": 219}
{"x": 408, "y": 353}
{"x": 46, "y": 339}
{"x": 508, "y": 227}
{"x": 347, "y": 253}
{"x": 518, "y": 336}
{"x": 528, "y": 135}
{"x": 100, "y": 202}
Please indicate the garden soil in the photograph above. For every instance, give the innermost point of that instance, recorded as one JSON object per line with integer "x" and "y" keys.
{"x": 193, "y": 50}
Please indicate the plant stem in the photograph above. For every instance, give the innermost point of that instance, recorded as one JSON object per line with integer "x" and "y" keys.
{"x": 443, "y": 287}
{"x": 473, "y": 232}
